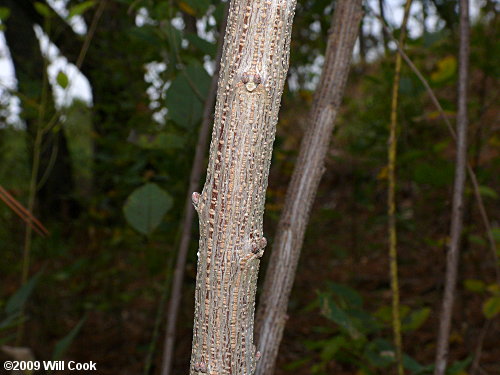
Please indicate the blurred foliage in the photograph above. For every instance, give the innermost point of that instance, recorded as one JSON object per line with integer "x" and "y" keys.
{"x": 129, "y": 152}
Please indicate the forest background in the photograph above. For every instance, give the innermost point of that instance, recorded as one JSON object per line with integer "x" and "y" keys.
{"x": 106, "y": 177}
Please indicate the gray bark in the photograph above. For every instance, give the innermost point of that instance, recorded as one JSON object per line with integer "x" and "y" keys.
{"x": 187, "y": 221}
{"x": 458, "y": 195}
{"x": 254, "y": 65}
{"x": 271, "y": 314}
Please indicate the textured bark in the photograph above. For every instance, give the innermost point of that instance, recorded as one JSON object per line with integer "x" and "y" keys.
{"x": 458, "y": 194}
{"x": 231, "y": 206}
{"x": 271, "y": 315}
{"x": 187, "y": 221}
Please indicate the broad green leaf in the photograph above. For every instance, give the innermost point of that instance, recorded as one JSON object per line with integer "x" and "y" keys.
{"x": 9, "y": 322}
{"x": 162, "y": 141}
{"x": 194, "y": 7}
{"x": 18, "y": 300}
{"x": 146, "y": 206}
{"x": 486, "y": 191}
{"x": 145, "y": 33}
{"x": 415, "y": 320}
{"x": 296, "y": 364}
{"x": 476, "y": 239}
{"x": 204, "y": 46}
{"x": 458, "y": 367}
{"x": 446, "y": 69}
{"x": 4, "y": 13}
{"x": 333, "y": 312}
{"x": 493, "y": 288}
{"x": 63, "y": 344}
{"x": 474, "y": 285}
{"x": 185, "y": 96}
{"x": 43, "y": 9}
{"x": 331, "y": 347}
{"x": 62, "y": 79}
{"x": 348, "y": 295}
{"x": 496, "y": 234}
{"x": 79, "y": 9}
{"x": 379, "y": 353}
{"x": 491, "y": 307}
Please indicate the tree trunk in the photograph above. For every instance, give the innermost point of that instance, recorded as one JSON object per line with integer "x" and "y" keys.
{"x": 458, "y": 195}
{"x": 280, "y": 274}
{"x": 231, "y": 206}
{"x": 187, "y": 220}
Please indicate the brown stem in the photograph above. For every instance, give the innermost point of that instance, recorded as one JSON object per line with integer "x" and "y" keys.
{"x": 271, "y": 313}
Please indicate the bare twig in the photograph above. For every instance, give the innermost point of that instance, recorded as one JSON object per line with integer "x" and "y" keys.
{"x": 22, "y": 212}
{"x": 90, "y": 33}
{"x": 187, "y": 222}
{"x": 453, "y": 254}
{"x": 391, "y": 198}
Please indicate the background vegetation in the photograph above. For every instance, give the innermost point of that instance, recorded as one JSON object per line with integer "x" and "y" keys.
{"x": 107, "y": 178}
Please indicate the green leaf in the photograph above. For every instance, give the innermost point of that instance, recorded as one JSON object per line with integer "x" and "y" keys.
{"x": 145, "y": 34}
{"x": 415, "y": 320}
{"x": 476, "y": 286}
{"x": 333, "y": 312}
{"x": 185, "y": 96}
{"x": 476, "y": 239}
{"x": 146, "y": 206}
{"x": 296, "y": 364}
{"x": 18, "y": 300}
{"x": 379, "y": 353}
{"x": 4, "y": 13}
{"x": 459, "y": 367}
{"x": 62, "y": 79}
{"x": 491, "y": 307}
{"x": 331, "y": 347}
{"x": 446, "y": 69}
{"x": 486, "y": 191}
{"x": 43, "y": 9}
{"x": 496, "y": 234}
{"x": 63, "y": 344}
{"x": 161, "y": 141}
{"x": 194, "y": 7}
{"x": 79, "y": 9}
{"x": 204, "y": 46}
{"x": 348, "y": 295}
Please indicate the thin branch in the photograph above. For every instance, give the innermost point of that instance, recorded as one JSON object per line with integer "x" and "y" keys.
{"x": 391, "y": 198}
{"x": 90, "y": 34}
{"x": 453, "y": 254}
{"x": 22, "y": 212}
